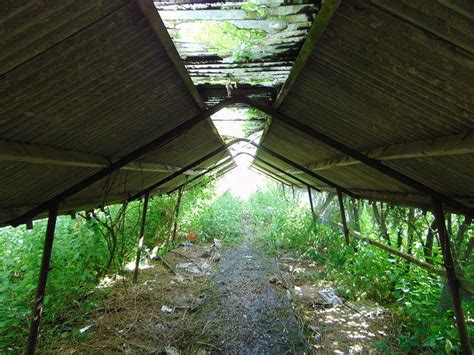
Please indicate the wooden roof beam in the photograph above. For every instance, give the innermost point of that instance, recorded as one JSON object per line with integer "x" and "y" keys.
{"x": 38, "y": 154}
{"x": 441, "y": 146}
{"x": 347, "y": 150}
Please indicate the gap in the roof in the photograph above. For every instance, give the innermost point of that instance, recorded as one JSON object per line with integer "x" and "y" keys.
{"x": 242, "y": 48}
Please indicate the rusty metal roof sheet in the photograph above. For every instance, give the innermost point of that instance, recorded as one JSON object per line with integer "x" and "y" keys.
{"x": 86, "y": 79}
{"x": 392, "y": 79}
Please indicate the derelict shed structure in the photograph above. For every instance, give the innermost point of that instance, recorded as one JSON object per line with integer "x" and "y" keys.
{"x": 392, "y": 80}
{"x": 83, "y": 86}
{"x": 95, "y": 109}
{"x": 98, "y": 107}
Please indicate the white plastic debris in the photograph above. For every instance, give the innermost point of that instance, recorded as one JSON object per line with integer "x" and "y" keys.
{"x": 172, "y": 351}
{"x": 166, "y": 309}
{"x": 217, "y": 243}
{"x": 85, "y": 329}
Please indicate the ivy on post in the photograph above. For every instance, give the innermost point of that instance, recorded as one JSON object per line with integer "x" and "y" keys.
{"x": 43, "y": 277}
{"x": 343, "y": 217}
{"x": 453, "y": 281}
{"x": 141, "y": 239}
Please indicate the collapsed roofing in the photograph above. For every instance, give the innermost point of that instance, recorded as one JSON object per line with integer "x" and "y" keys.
{"x": 85, "y": 84}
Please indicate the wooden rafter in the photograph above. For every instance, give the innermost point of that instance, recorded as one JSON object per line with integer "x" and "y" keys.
{"x": 442, "y": 146}
{"x": 38, "y": 154}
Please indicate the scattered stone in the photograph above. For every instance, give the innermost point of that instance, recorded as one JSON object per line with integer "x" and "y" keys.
{"x": 217, "y": 243}
{"x": 189, "y": 267}
{"x": 330, "y": 297}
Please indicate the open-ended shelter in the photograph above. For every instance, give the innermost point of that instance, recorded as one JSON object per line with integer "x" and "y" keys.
{"x": 98, "y": 106}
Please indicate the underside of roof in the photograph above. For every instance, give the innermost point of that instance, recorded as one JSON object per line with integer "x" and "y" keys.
{"x": 84, "y": 83}
{"x": 393, "y": 80}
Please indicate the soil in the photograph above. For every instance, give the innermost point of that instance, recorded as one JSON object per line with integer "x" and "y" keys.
{"x": 234, "y": 299}
{"x": 247, "y": 314}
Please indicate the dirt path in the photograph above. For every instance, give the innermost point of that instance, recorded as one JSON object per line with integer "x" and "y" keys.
{"x": 246, "y": 313}
{"x": 239, "y": 305}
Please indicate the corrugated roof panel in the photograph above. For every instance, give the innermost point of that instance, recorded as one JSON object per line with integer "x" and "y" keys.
{"x": 99, "y": 82}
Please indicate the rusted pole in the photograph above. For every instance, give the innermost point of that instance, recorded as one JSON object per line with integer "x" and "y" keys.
{"x": 43, "y": 277}
{"x": 453, "y": 282}
{"x": 178, "y": 203}
{"x": 141, "y": 239}
{"x": 343, "y": 217}
{"x": 310, "y": 196}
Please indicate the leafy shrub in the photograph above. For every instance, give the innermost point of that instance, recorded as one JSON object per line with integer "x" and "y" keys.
{"x": 368, "y": 272}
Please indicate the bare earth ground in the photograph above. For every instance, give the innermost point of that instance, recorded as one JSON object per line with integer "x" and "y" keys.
{"x": 245, "y": 303}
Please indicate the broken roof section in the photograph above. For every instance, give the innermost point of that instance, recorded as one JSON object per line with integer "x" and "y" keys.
{"x": 248, "y": 45}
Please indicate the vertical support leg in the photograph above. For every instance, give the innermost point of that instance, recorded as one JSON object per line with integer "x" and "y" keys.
{"x": 451, "y": 276}
{"x": 293, "y": 191}
{"x": 141, "y": 239}
{"x": 178, "y": 203}
{"x": 343, "y": 217}
{"x": 43, "y": 277}
{"x": 310, "y": 196}
{"x": 283, "y": 189}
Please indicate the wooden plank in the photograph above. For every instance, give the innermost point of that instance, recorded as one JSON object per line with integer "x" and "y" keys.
{"x": 441, "y": 146}
{"x": 323, "y": 18}
{"x": 38, "y": 154}
{"x": 149, "y": 10}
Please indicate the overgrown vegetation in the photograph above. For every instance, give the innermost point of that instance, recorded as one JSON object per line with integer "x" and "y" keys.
{"x": 96, "y": 244}
{"x": 223, "y": 38}
{"x": 416, "y": 296}
{"x": 101, "y": 242}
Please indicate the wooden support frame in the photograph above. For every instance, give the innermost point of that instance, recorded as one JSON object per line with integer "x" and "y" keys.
{"x": 134, "y": 155}
{"x": 441, "y": 146}
{"x": 219, "y": 175}
{"x": 217, "y": 166}
{"x": 345, "y": 149}
{"x": 39, "y": 154}
{"x": 270, "y": 176}
{"x": 270, "y": 165}
{"x": 141, "y": 238}
{"x": 43, "y": 278}
{"x": 453, "y": 281}
{"x": 220, "y": 150}
{"x": 343, "y": 217}
{"x": 177, "y": 131}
